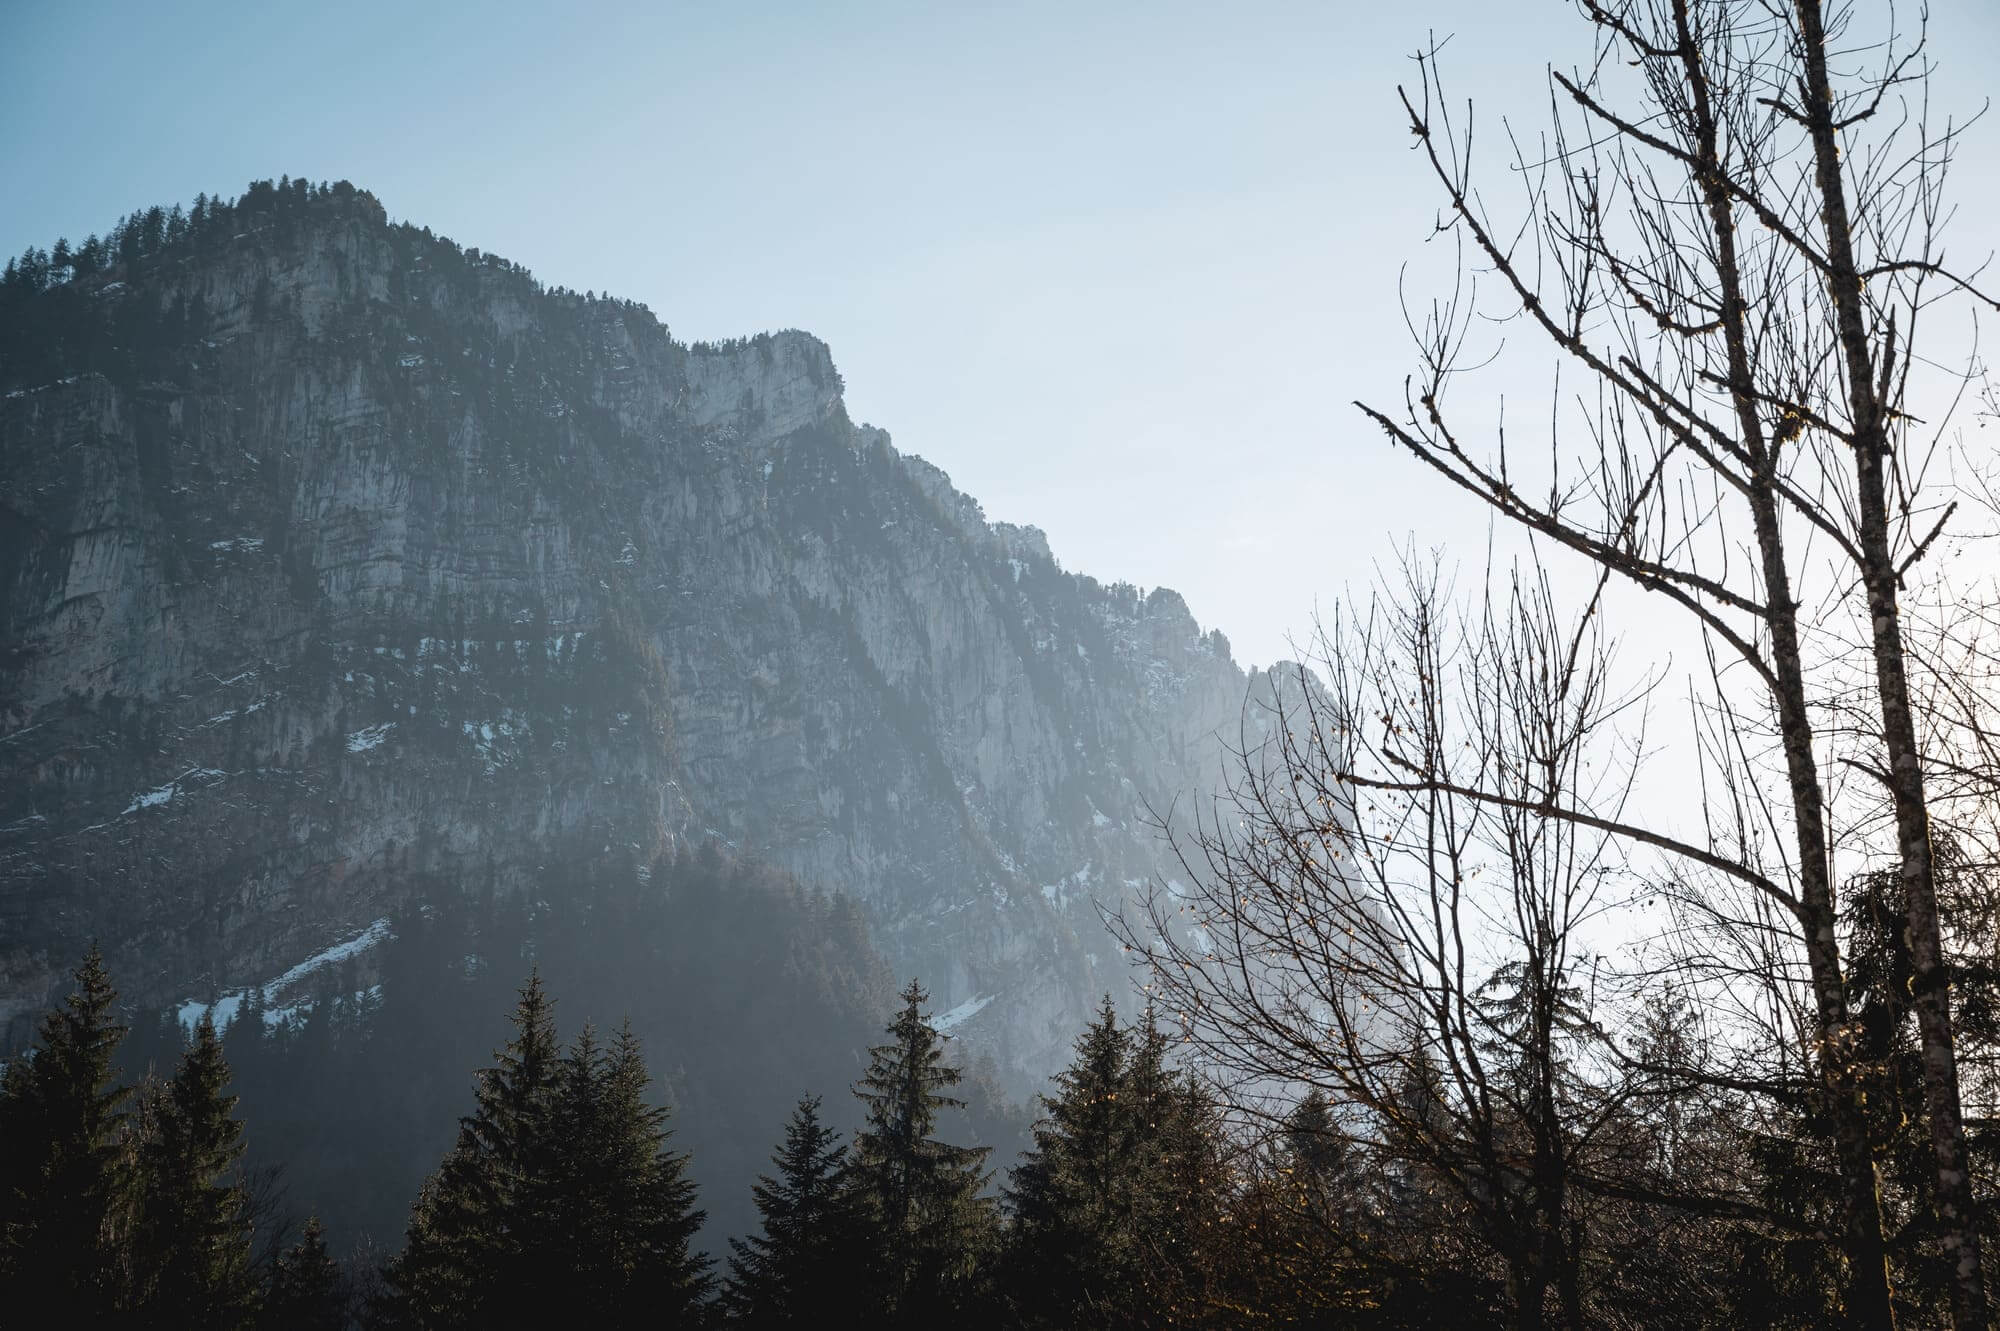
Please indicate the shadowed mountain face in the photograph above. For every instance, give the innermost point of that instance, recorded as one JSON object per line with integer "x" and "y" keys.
{"x": 338, "y": 563}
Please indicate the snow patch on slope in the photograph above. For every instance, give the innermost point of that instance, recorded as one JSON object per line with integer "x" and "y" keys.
{"x": 961, "y": 1014}
{"x": 224, "y": 1008}
{"x": 158, "y": 795}
{"x": 371, "y": 737}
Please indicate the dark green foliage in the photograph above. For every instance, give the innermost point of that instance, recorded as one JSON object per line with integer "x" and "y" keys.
{"x": 139, "y": 1219}
{"x": 621, "y": 1206}
{"x": 308, "y": 1291}
{"x": 189, "y": 1246}
{"x": 560, "y": 1198}
{"x": 65, "y": 1174}
{"x": 806, "y": 1266}
{"x": 563, "y": 1203}
{"x": 1080, "y": 1197}
{"x": 932, "y": 1227}
{"x": 1184, "y": 1160}
{"x": 471, "y": 1221}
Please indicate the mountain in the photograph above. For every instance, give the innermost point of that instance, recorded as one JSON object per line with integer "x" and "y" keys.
{"x": 340, "y": 565}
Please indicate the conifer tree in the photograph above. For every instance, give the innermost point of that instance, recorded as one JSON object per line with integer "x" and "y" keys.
{"x": 1185, "y": 1180}
{"x": 564, "y": 1247}
{"x": 459, "y": 1260}
{"x": 1320, "y": 1161}
{"x": 609, "y": 1222}
{"x": 1120, "y": 1206}
{"x": 931, "y": 1225}
{"x": 652, "y": 1218}
{"x": 189, "y": 1250}
{"x": 65, "y": 1176}
{"x": 555, "y": 1231}
{"x": 307, "y": 1290}
{"x": 561, "y": 1200}
{"x": 804, "y": 1268}
{"x": 1075, "y": 1197}
{"x": 1301, "y": 1219}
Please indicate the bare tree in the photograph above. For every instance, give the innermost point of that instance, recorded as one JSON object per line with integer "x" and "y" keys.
{"x": 1732, "y": 228}
{"x": 1383, "y": 910}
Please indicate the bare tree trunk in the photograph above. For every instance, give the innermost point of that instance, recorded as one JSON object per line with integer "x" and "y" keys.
{"x": 1528, "y": 1289}
{"x": 1861, "y": 1186}
{"x": 1867, "y": 1255}
{"x": 1869, "y": 421}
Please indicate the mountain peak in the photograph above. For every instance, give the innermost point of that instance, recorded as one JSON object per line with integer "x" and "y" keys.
{"x": 773, "y": 384}
{"x": 353, "y": 566}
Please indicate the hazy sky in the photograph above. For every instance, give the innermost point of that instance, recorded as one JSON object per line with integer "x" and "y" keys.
{"x": 1119, "y": 269}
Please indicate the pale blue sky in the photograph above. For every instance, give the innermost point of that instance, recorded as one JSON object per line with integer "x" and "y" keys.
{"x": 1119, "y": 268}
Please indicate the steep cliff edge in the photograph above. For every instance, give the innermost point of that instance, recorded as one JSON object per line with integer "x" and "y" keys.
{"x": 338, "y": 563}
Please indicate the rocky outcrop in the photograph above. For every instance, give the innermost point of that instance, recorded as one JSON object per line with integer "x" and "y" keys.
{"x": 364, "y": 566}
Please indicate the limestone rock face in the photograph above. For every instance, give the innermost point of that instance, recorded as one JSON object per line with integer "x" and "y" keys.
{"x": 338, "y": 564}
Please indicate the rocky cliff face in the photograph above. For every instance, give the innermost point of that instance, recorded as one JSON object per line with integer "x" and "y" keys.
{"x": 339, "y": 563}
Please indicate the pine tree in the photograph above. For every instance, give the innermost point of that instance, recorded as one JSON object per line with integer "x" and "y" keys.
{"x": 1185, "y": 1181}
{"x": 931, "y": 1225}
{"x": 560, "y": 1227}
{"x": 649, "y": 1202}
{"x": 189, "y": 1251}
{"x": 460, "y": 1258}
{"x": 65, "y": 1176}
{"x": 606, "y": 1226}
{"x": 307, "y": 1290}
{"x": 561, "y": 1201}
{"x": 1115, "y": 1203}
{"x": 1073, "y": 1195}
{"x": 804, "y": 1268}
{"x": 1301, "y": 1219}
